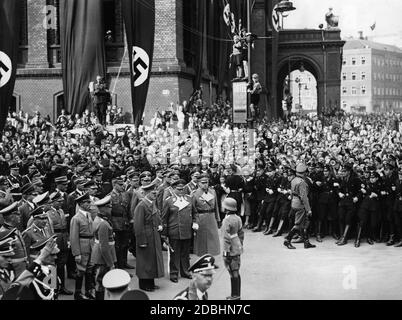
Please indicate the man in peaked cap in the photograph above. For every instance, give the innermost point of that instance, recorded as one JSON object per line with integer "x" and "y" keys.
{"x": 28, "y": 194}
{"x": 11, "y": 221}
{"x": 7, "y": 274}
{"x": 103, "y": 256}
{"x": 116, "y": 283}
{"x": 202, "y": 275}
{"x": 179, "y": 222}
{"x": 81, "y": 239}
{"x": 300, "y": 205}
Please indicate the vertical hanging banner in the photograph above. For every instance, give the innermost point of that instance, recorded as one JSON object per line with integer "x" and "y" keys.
{"x": 82, "y": 50}
{"x": 139, "y": 19}
{"x": 9, "y": 40}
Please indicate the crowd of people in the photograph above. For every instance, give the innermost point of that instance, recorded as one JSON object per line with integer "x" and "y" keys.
{"x": 169, "y": 186}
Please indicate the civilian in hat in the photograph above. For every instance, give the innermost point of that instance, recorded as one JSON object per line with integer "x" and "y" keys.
{"x": 205, "y": 205}
{"x": 179, "y": 222}
{"x": 28, "y": 194}
{"x": 104, "y": 254}
{"x": 232, "y": 245}
{"x": 348, "y": 190}
{"x": 301, "y": 207}
{"x": 11, "y": 221}
{"x": 147, "y": 228}
{"x": 37, "y": 231}
{"x": 116, "y": 283}
{"x": 202, "y": 272}
{"x": 81, "y": 239}
{"x": 59, "y": 225}
{"x": 121, "y": 220}
{"x": 30, "y": 284}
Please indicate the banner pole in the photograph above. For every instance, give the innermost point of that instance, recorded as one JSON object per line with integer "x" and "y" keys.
{"x": 121, "y": 66}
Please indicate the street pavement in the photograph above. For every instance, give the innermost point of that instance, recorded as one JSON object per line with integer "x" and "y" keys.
{"x": 270, "y": 271}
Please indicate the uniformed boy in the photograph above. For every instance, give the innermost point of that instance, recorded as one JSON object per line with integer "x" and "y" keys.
{"x": 232, "y": 246}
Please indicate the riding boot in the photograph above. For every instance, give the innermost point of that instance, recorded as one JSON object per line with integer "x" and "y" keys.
{"x": 307, "y": 244}
{"x": 287, "y": 243}
{"x": 359, "y": 232}
{"x": 89, "y": 285}
{"x": 278, "y": 232}
{"x": 391, "y": 240}
{"x": 78, "y": 286}
{"x": 100, "y": 295}
{"x": 341, "y": 229}
{"x": 343, "y": 240}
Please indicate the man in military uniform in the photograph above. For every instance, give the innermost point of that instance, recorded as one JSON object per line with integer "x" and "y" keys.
{"x": 205, "y": 205}
{"x": 390, "y": 180}
{"x": 193, "y": 184}
{"x": 59, "y": 223}
{"x": 121, "y": 219}
{"x": 11, "y": 221}
{"x": 160, "y": 189}
{"x": 348, "y": 189}
{"x": 116, "y": 284}
{"x": 179, "y": 221}
{"x": 30, "y": 284}
{"x": 301, "y": 207}
{"x": 271, "y": 195}
{"x": 27, "y": 206}
{"x": 202, "y": 272}
{"x": 7, "y": 274}
{"x": 282, "y": 205}
{"x": 147, "y": 228}
{"x": 104, "y": 253}
{"x": 36, "y": 231}
{"x": 81, "y": 239}
{"x": 15, "y": 178}
{"x": 259, "y": 182}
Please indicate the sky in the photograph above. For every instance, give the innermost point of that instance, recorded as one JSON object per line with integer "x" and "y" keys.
{"x": 354, "y": 15}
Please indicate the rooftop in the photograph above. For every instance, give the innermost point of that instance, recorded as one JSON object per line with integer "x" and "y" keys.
{"x": 366, "y": 44}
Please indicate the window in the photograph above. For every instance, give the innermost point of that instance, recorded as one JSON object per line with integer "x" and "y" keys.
{"x": 344, "y": 104}
{"x": 363, "y": 60}
{"x": 353, "y": 61}
{"x": 375, "y": 91}
{"x": 363, "y": 76}
{"x": 353, "y": 75}
{"x": 344, "y": 76}
{"x": 344, "y": 61}
{"x": 354, "y": 90}
{"x": 374, "y": 76}
{"x": 344, "y": 90}
{"x": 363, "y": 88}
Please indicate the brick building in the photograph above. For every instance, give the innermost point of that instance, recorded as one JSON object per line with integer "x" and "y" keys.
{"x": 39, "y": 75}
{"x": 371, "y": 77}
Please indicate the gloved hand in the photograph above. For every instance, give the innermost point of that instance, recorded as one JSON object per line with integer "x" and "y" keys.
{"x": 341, "y": 195}
{"x": 195, "y": 226}
{"x": 355, "y": 199}
{"x": 160, "y": 228}
{"x": 336, "y": 184}
{"x": 77, "y": 258}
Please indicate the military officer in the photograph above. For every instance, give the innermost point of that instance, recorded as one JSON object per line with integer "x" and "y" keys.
{"x": 147, "y": 228}
{"x": 179, "y": 221}
{"x": 205, "y": 205}
{"x": 121, "y": 219}
{"x": 7, "y": 274}
{"x": 390, "y": 180}
{"x": 202, "y": 272}
{"x": 81, "y": 239}
{"x": 12, "y": 219}
{"x": 160, "y": 189}
{"x": 28, "y": 194}
{"x": 116, "y": 284}
{"x": 59, "y": 223}
{"x": 193, "y": 184}
{"x": 301, "y": 207}
{"x": 104, "y": 252}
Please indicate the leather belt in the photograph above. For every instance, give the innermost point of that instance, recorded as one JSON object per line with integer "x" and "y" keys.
{"x": 86, "y": 237}
{"x": 111, "y": 243}
{"x": 205, "y": 211}
{"x": 18, "y": 260}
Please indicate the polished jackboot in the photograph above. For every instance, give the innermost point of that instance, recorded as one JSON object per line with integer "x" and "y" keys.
{"x": 343, "y": 240}
{"x": 287, "y": 243}
{"x": 62, "y": 288}
{"x": 391, "y": 240}
{"x": 89, "y": 285}
{"x": 307, "y": 244}
{"x": 78, "y": 285}
{"x": 359, "y": 233}
{"x": 235, "y": 294}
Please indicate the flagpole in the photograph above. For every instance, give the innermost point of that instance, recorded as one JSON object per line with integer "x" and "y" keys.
{"x": 121, "y": 66}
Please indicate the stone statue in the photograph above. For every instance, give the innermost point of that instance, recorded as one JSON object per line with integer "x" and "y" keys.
{"x": 331, "y": 19}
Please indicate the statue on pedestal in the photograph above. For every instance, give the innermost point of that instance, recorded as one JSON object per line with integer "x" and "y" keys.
{"x": 331, "y": 19}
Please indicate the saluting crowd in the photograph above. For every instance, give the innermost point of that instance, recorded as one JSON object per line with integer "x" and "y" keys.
{"x": 86, "y": 202}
